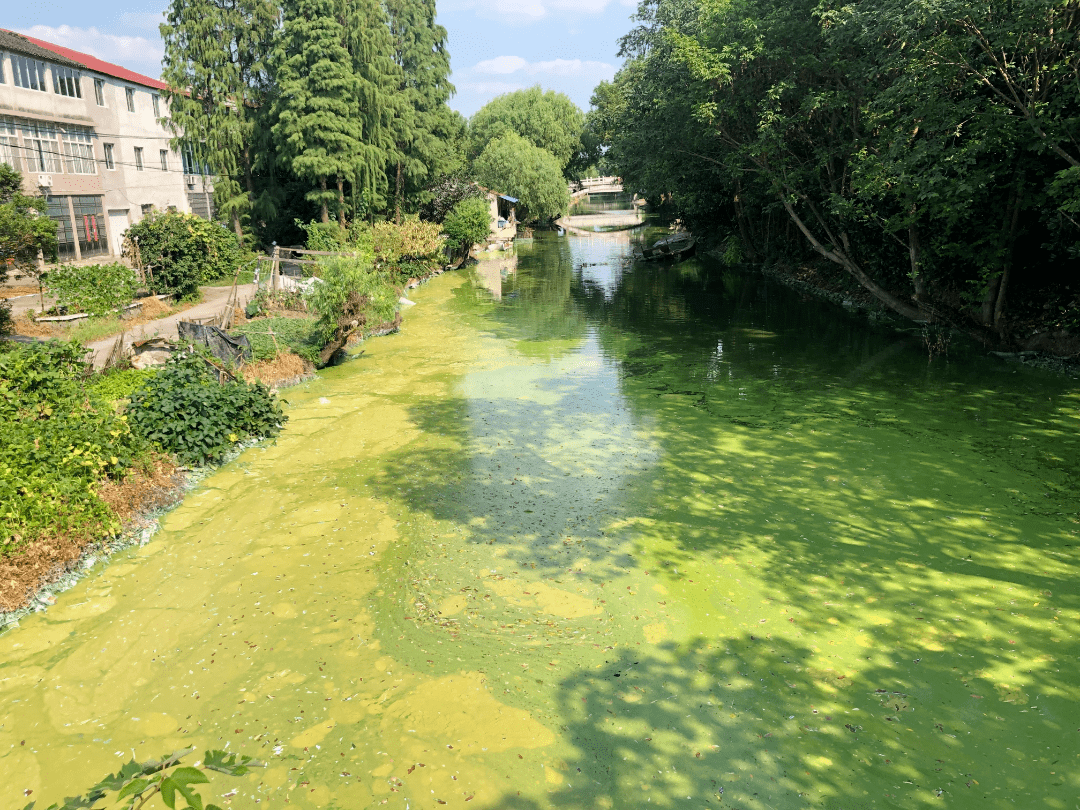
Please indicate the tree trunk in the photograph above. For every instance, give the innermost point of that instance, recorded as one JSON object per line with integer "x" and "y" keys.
{"x": 324, "y": 213}
{"x": 237, "y": 228}
{"x": 399, "y": 194}
{"x": 845, "y": 261}
{"x": 341, "y": 202}
{"x": 744, "y": 227}
{"x": 915, "y": 254}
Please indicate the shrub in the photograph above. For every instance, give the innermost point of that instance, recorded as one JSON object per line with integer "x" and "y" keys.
{"x": 184, "y": 410}
{"x": 180, "y": 251}
{"x": 468, "y": 224}
{"x": 410, "y": 250}
{"x": 351, "y": 296}
{"x": 57, "y": 440}
{"x": 96, "y": 289}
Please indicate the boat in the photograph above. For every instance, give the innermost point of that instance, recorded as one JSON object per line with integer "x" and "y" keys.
{"x": 676, "y": 246}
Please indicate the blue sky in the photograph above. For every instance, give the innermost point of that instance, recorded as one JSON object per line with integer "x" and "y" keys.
{"x": 495, "y": 46}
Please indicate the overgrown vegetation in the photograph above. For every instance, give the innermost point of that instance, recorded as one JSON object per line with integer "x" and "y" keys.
{"x": 514, "y": 165}
{"x": 275, "y": 335}
{"x": 352, "y": 296}
{"x": 185, "y": 411}
{"x": 180, "y": 251}
{"x": 58, "y": 439}
{"x": 96, "y": 289}
{"x": 412, "y": 249}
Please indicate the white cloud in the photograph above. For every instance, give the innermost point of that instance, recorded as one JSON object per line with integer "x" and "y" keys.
{"x": 140, "y": 53}
{"x": 486, "y": 89}
{"x": 505, "y": 65}
{"x": 529, "y": 10}
{"x": 499, "y": 66}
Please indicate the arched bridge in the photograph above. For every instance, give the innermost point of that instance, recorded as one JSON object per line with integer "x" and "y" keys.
{"x": 596, "y": 185}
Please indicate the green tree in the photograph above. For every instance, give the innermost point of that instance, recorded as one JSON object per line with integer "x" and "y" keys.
{"x": 467, "y": 224}
{"x": 371, "y": 48}
{"x": 24, "y": 231}
{"x": 512, "y": 165}
{"x": 318, "y": 128}
{"x": 215, "y": 63}
{"x": 548, "y": 120}
{"x": 426, "y": 130}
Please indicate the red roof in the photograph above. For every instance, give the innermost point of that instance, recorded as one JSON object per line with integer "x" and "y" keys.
{"x": 100, "y": 65}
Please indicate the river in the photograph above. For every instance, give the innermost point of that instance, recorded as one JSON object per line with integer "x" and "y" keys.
{"x": 596, "y": 534}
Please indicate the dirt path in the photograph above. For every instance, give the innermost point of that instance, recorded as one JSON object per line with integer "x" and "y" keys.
{"x": 214, "y": 299}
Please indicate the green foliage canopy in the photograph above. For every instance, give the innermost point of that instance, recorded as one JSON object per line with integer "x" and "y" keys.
{"x": 180, "y": 251}
{"x": 468, "y": 224}
{"x": 548, "y": 120}
{"x": 513, "y": 165}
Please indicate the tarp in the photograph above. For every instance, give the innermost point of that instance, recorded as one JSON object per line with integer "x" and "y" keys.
{"x": 223, "y": 346}
{"x": 508, "y": 199}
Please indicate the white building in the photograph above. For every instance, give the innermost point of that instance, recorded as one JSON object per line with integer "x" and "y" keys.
{"x": 89, "y": 135}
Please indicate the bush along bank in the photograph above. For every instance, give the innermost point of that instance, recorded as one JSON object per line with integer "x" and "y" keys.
{"x": 77, "y": 468}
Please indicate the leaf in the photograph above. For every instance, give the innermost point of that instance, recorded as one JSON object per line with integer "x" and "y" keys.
{"x": 189, "y": 776}
{"x": 133, "y": 788}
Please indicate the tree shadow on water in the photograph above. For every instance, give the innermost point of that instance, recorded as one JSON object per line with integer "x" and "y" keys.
{"x": 750, "y": 722}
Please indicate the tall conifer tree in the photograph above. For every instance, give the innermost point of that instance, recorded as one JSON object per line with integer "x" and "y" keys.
{"x": 318, "y": 126}
{"x": 371, "y": 48}
{"x": 424, "y": 126}
{"x": 215, "y": 64}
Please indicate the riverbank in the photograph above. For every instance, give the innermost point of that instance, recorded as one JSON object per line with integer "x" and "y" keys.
{"x": 1061, "y": 354}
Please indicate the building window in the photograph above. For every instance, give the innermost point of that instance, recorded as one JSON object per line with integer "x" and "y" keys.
{"x": 9, "y": 143}
{"x": 130, "y": 93}
{"x": 110, "y": 158}
{"x": 2, "y": 79}
{"x": 41, "y": 147}
{"x": 138, "y": 159}
{"x": 147, "y": 209}
{"x": 99, "y": 92}
{"x": 29, "y": 73}
{"x": 78, "y": 149}
{"x": 157, "y": 105}
{"x": 164, "y": 160}
{"x": 66, "y": 82}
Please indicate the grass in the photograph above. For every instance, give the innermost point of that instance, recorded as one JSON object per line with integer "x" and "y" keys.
{"x": 246, "y": 277}
{"x": 297, "y": 335}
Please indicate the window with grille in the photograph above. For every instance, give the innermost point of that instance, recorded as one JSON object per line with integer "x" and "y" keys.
{"x": 66, "y": 81}
{"x": 28, "y": 73}
{"x": 188, "y": 160}
{"x": 9, "y": 143}
{"x": 78, "y": 149}
{"x": 157, "y": 105}
{"x": 130, "y": 93}
{"x": 164, "y": 160}
{"x": 99, "y": 92}
{"x": 41, "y": 146}
{"x": 138, "y": 159}
{"x": 110, "y": 157}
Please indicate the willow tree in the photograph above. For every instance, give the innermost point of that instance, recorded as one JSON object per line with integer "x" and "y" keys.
{"x": 215, "y": 64}
{"x": 318, "y": 126}
{"x": 424, "y": 127}
{"x": 368, "y": 42}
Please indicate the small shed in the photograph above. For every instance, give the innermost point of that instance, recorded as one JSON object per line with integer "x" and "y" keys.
{"x": 503, "y": 220}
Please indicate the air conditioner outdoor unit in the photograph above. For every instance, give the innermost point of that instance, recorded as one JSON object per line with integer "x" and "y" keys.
{"x": 44, "y": 180}
{"x": 191, "y": 179}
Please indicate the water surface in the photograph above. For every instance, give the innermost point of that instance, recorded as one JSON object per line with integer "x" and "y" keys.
{"x": 594, "y": 534}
